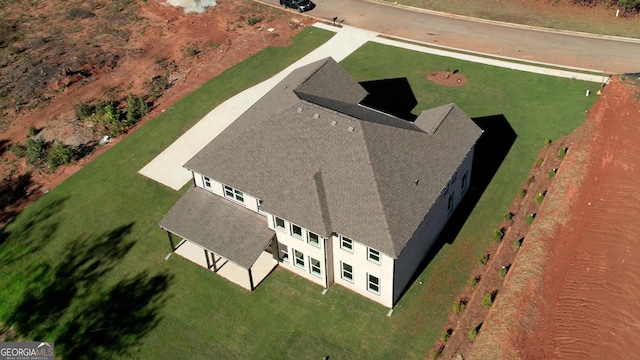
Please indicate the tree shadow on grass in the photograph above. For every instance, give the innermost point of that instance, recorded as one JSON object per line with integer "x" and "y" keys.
{"x": 69, "y": 302}
{"x": 24, "y": 236}
{"x": 490, "y": 152}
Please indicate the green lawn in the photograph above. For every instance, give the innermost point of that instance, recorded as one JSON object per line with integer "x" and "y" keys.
{"x": 84, "y": 266}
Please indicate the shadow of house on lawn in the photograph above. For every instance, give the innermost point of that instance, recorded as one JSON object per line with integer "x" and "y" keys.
{"x": 490, "y": 152}
{"x": 70, "y": 303}
{"x": 392, "y": 96}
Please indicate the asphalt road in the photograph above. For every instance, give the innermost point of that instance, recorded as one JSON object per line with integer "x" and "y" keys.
{"x": 604, "y": 54}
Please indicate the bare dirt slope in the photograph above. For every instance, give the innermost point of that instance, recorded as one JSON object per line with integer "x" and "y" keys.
{"x": 572, "y": 291}
{"x": 61, "y": 53}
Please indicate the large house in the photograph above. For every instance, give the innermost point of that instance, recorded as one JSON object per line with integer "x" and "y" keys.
{"x": 312, "y": 180}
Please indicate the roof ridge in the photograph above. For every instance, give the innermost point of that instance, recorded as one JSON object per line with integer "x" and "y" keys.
{"x": 371, "y": 168}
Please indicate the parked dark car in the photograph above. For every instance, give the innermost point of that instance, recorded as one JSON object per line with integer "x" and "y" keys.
{"x": 299, "y": 5}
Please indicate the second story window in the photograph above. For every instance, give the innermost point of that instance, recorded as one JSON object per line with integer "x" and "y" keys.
{"x": 234, "y": 194}
{"x": 346, "y": 243}
{"x": 279, "y": 223}
{"x": 313, "y": 239}
{"x": 450, "y": 204}
{"x": 296, "y": 231}
{"x": 373, "y": 255}
{"x": 206, "y": 182}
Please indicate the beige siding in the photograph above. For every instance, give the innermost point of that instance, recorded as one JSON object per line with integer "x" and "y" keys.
{"x": 428, "y": 231}
{"x": 362, "y": 266}
{"x": 217, "y": 188}
{"x": 302, "y": 245}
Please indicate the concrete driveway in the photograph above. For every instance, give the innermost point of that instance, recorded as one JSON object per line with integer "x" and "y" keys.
{"x": 600, "y": 53}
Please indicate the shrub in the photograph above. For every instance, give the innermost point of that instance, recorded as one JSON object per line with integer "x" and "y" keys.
{"x": 83, "y": 110}
{"x": 473, "y": 333}
{"x": 19, "y": 150}
{"x": 552, "y": 173}
{"x": 36, "y": 151}
{"x": 32, "y": 131}
{"x": 539, "y": 162}
{"x": 59, "y": 154}
{"x": 517, "y": 243}
{"x": 530, "y": 179}
{"x": 522, "y": 193}
{"x": 508, "y": 216}
{"x": 459, "y": 305}
{"x": 253, "y": 19}
{"x": 191, "y": 50}
{"x": 436, "y": 353}
{"x": 136, "y": 109}
{"x": 503, "y": 272}
{"x": 487, "y": 301}
{"x": 498, "y": 234}
{"x": 562, "y": 152}
{"x": 529, "y": 219}
{"x": 446, "y": 335}
{"x": 473, "y": 281}
{"x": 158, "y": 84}
{"x": 539, "y": 198}
{"x": 213, "y": 44}
{"x": 547, "y": 142}
{"x": 482, "y": 260}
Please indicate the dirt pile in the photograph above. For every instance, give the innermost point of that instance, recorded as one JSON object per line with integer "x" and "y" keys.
{"x": 64, "y": 53}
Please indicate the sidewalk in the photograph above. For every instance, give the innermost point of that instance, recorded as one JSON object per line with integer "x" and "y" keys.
{"x": 166, "y": 168}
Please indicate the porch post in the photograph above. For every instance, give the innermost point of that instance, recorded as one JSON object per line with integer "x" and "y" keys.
{"x": 251, "y": 279}
{"x": 213, "y": 260}
{"x": 275, "y": 248}
{"x": 173, "y": 246}
{"x": 206, "y": 256}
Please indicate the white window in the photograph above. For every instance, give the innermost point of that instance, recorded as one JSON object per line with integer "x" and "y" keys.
{"x": 314, "y": 266}
{"x": 313, "y": 239}
{"x": 296, "y": 231}
{"x": 454, "y": 177}
{"x": 347, "y": 271}
{"x": 284, "y": 252}
{"x": 346, "y": 243}
{"x": 463, "y": 184}
{"x": 279, "y": 223}
{"x": 450, "y": 203}
{"x": 373, "y": 255}
{"x": 234, "y": 194}
{"x": 373, "y": 284}
{"x": 446, "y": 190}
{"x": 299, "y": 258}
{"x": 206, "y": 182}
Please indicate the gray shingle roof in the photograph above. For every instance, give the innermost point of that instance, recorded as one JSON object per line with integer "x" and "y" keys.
{"x": 230, "y": 230}
{"x": 331, "y": 165}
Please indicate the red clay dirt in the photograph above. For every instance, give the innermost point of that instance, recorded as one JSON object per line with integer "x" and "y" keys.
{"x": 100, "y": 50}
{"x": 447, "y": 78}
{"x": 573, "y": 288}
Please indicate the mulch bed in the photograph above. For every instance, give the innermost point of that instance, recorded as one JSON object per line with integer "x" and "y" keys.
{"x": 447, "y": 78}
{"x": 486, "y": 279}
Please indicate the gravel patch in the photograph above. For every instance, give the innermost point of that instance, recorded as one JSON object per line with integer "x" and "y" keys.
{"x": 197, "y": 6}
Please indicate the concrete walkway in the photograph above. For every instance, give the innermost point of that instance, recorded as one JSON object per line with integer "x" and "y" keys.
{"x": 167, "y": 168}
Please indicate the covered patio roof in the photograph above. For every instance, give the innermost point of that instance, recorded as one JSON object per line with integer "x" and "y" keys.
{"x": 227, "y": 229}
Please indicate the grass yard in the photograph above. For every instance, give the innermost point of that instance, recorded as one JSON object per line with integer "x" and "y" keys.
{"x": 84, "y": 266}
